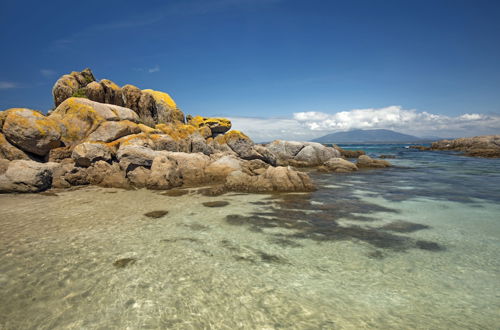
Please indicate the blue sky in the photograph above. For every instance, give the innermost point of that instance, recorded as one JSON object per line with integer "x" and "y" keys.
{"x": 299, "y": 68}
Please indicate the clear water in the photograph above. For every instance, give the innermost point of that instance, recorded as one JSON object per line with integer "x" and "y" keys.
{"x": 411, "y": 247}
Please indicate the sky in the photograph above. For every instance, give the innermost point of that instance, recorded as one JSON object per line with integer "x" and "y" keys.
{"x": 277, "y": 68}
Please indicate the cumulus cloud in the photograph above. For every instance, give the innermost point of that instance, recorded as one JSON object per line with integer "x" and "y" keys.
{"x": 311, "y": 124}
{"x": 8, "y": 85}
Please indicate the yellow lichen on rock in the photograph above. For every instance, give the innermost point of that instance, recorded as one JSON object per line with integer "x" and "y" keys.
{"x": 177, "y": 130}
{"x": 149, "y": 130}
{"x": 162, "y": 97}
{"x": 231, "y": 135}
{"x": 31, "y": 131}
{"x": 110, "y": 84}
{"x": 216, "y": 125}
{"x": 78, "y": 119}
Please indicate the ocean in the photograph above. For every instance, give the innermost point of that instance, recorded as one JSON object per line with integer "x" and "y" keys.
{"x": 414, "y": 246}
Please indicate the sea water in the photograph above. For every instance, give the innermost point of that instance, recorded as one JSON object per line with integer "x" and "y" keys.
{"x": 414, "y": 246}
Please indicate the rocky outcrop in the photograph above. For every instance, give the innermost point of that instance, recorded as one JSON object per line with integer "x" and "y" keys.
{"x": 365, "y": 161}
{"x": 349, "y": 153}
{"x": 31, "y": 131}
{"x": 101, "y": 134}
{"x": 215, "y": 125}
{"x": 338, "y": 165}
{"x": 301, "y": 154}
{"x": 69, "y": 85}
{"x": 479, "y": 146}
{"x": 152, "y": 107}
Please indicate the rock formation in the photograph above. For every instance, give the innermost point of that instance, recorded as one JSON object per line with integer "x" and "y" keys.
{"x": 102, "y": 134}
{"x": 478, "y": 146}
{"x": 152, "y": 107}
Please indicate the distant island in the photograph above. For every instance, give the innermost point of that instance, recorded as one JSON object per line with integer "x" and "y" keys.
{"x": 371, "y": 136}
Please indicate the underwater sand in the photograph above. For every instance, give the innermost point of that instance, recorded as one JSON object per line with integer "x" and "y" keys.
{"x": 387, "y": 249}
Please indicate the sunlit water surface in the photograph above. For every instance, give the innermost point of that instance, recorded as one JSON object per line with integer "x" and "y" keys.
{"x": 411, "y": 247}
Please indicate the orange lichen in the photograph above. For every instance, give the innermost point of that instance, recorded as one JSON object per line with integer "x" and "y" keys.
{"x": 162, "y": 98}
{"x": 234, "y": 134}
{"x": 110, "y": 84}
{"x": 177, "y": 130}
{"x": 199, "y": 121}
{"x": 78, "y": 120}
{"x": 30, "y": 118}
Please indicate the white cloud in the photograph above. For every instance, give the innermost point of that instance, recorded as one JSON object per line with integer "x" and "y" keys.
{"x": 156, "y": 68}
{"x": 308, "y": 125}
{"x": 48, "y": 73}
{"x": 8, "y": 85}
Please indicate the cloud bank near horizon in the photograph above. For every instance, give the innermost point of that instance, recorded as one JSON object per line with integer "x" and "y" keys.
{"x": 312, "y": 124}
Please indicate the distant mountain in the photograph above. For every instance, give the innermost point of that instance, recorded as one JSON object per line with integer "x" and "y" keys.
{"x": 368, "y": 136}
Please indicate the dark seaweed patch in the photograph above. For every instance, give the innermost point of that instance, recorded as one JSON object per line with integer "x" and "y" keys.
{"x": 429, "y": 246}
{"x": 156, "y": 214}
{"x": 122, "y": 263}
{"x": 404, "y": 226}
{"x": 180, "y": 239}
{"x": 320, "y": 223}
{"x": 216, "y": 204}
{"x": 283, "y": 242}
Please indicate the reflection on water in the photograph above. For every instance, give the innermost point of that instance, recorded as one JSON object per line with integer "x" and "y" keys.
{"x": 414, "y": 246}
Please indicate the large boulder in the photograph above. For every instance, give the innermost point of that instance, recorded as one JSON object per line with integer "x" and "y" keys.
{"x": 131, "y": 156}
{"x": 70, "y": 84}
{"x": 87, "y": 153}
{"x": 365, "y": 161}
{"x": 222, "y": 167}
{"x": 8, "y": 151}
{"x": 216, "y": 125}
{"x": 285, "y": 150}
{"x": 113, "y": 130}
{"x": 274, "y": 179}
{"x": 108, "y": 175}
{"x": 164, "y": 174}
{"x": 315, "y": 154}
{"x": 79, "y": 117}
{"x": 166, "y": 109}
{"x": 306, "y": 154}
{"x": 112, "y": 92}
{"x": 339, "y": 165}
{"x": 27, "y": 176}
{"x": 31, "y": 131}
{"x": 190, "y": 166}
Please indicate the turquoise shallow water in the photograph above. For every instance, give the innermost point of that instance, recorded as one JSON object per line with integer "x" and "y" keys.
{"x": 411, "y": 247}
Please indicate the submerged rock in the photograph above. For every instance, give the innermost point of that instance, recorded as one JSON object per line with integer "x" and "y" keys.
{"x": 340, "y": 165}
{"x": 274, "y": 179}
{"x": 365, "y": 161}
